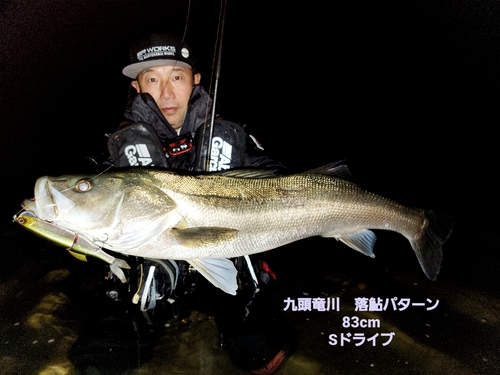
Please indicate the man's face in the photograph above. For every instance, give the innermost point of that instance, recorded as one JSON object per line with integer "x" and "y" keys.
{"x": 170, "y": 87}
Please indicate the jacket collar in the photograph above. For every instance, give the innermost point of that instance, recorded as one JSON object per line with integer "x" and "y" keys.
{"x": 144, "y": 109}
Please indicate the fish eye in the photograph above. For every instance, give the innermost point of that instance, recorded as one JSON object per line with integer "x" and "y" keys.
{"x": 83, "y": 186}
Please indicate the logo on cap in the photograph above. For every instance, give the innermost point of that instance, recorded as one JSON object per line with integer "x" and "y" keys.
{"x": 156, "y": 51}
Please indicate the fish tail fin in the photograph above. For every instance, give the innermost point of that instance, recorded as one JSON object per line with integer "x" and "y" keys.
{"x": 428, "y": 244}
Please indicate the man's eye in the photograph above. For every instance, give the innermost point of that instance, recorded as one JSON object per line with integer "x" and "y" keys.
{"x": 152, "y": 80}
{"x": 177, "y": 78}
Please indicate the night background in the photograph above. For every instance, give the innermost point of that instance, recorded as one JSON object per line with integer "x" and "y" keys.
{"x": 407, "y": 92}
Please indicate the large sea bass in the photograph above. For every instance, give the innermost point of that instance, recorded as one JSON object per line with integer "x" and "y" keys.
{"x": 207, "y": 218}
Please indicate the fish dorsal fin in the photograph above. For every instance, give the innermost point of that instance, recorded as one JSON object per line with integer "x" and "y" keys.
{"x": 249, "y": 173}
{"x": 220, "y": 272}
{"x": 203, "y": 236}
{"x": 361, "y": 241}
{"x": 335, "y": 169}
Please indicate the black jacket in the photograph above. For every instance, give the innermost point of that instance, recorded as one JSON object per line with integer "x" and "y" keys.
{"x": 245, "y": 150}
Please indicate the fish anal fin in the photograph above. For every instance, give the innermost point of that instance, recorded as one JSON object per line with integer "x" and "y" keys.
{"x": 361, "y": 241}
{"x": 203, "y": 236}
{"x": 220, "y": 272}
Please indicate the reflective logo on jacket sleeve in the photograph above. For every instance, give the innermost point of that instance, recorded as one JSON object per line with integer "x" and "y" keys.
{"x": 220, "y": 155}
{"x": 138, "y": 155}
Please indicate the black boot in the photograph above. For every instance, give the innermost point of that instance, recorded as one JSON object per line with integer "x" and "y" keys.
{"x": 253, "y": 329}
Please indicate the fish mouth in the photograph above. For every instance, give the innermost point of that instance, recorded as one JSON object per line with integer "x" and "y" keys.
{"x": 29, "y": 205}
{"x": 49, "y": 203}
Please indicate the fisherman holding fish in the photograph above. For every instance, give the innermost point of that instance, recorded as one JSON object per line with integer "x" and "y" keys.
{"x": 160, "y": 222}
{"x": 168, "y": 124}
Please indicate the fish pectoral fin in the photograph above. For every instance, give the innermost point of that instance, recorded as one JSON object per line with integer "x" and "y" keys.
{"x": 78, "y": 256}
{"x": 220, "y": 272}
{"x": 203, "y": 236}
{"x": 362, "y": 241}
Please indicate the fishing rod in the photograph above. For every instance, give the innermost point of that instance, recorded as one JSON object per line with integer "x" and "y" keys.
{"x": 216, "y": 67}
{"x": 217, "y": 63}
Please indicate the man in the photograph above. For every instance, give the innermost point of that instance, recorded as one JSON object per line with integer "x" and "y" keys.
{"x": 169, "y": 98}
{"x": 167, "y": 126}
{"x": 169, "y": 85}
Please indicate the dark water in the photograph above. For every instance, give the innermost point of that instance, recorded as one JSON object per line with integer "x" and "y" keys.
{"x": 450, "y": 326}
